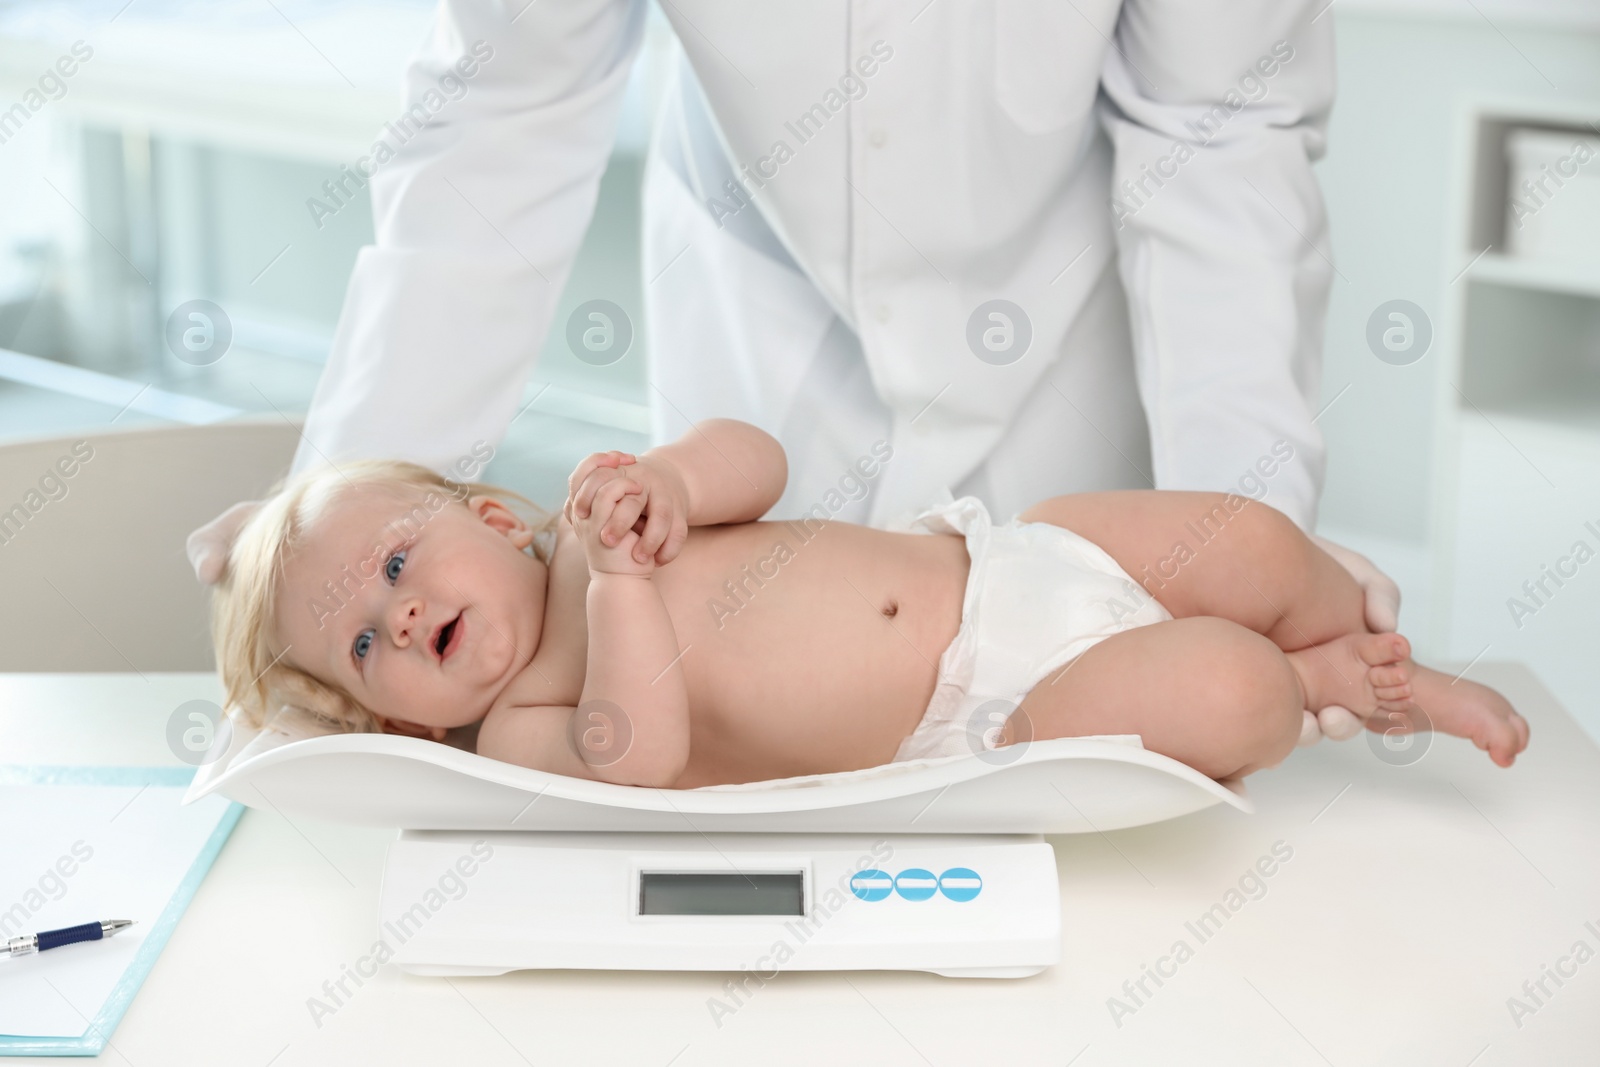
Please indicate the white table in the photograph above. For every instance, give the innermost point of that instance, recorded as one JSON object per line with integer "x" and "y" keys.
{"x": 1418, "y": 899}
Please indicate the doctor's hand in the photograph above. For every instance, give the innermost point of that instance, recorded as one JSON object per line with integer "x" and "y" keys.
{"x": 208, "y": 547}
{"x": 656, "y": 508}
{"x": 1382, "y": 616}
{"x": 1382, "y": 594}
{"x": 606, "y": 554}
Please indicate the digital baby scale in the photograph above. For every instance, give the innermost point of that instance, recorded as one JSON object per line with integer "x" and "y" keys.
{"x": 936, "y": 864}
{"x": 970, "y": 905}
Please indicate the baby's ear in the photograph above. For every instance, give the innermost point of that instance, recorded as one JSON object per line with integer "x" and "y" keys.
{"x": 502, "y": 520}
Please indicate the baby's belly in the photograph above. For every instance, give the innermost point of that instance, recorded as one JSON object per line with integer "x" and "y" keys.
{"x": 805, "y": 656}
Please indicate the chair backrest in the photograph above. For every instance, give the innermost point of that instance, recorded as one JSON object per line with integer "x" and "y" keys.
{"x": 93, "y": 574}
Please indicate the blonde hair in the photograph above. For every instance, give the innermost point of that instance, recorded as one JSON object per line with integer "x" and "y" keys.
{"x": 244, "y": 603}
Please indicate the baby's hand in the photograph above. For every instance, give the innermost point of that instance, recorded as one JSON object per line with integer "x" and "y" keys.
{"x": 594, "y": 530}
{"x": 657, "y": 508}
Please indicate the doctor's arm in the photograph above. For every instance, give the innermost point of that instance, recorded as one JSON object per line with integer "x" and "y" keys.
{"x": 1216, "y": 112}
{"x": 483, "y": 185}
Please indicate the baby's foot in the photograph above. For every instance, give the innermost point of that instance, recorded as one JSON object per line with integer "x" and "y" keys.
{"x": 1463, "y": 709}
{"x": 1361, "y": 672}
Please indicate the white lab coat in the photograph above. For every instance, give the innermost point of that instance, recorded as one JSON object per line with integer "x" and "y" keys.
{"x": 1001, "y": 149}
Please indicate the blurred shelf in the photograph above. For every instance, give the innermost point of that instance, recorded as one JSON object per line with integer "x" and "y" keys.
{"x": 1576, "y": 277}
{"x": 1519, "y": 344}
{"x": 1554, "y": 424}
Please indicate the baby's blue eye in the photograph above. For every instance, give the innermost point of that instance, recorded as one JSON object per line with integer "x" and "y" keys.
{"x": 363, "y": 643}
{"x": 391, "y": 569}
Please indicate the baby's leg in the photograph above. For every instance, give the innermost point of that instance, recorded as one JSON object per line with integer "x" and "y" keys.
{"x": 1205, "y": 691}
{"x": 1211, "y": 554}
{"x": 1249, "y": 564}
{"x": 1198, "y": 556}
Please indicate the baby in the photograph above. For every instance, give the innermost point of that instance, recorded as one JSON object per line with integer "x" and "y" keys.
{"x": 667, "y": 638}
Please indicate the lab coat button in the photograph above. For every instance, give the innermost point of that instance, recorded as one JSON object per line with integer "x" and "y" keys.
{"x": 878, "y": 138}
{"x": 881, "y": 312}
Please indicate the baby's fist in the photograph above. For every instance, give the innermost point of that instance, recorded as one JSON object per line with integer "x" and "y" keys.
{"x": 615, "y": 558}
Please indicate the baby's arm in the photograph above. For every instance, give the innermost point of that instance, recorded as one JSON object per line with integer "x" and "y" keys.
{"x": 734, "y": 471}
{"x": 721, "y": 471}
{"x": 633, "y": 717}
{"x": 631, "y": 726}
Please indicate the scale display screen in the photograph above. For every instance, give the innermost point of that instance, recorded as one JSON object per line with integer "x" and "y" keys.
{"x": 687, "y": 893}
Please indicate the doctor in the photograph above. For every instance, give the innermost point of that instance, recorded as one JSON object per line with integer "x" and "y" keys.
{"x": 1036, "y": 246}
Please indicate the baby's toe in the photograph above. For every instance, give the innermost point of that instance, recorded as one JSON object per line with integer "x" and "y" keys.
{"x": 1500, "y": 738}
{"x": 1507, "y": 731}
{"x": 1383, "y": 650}
{"x": 1518, "y": 737}
{"x": 1388, "y": 675}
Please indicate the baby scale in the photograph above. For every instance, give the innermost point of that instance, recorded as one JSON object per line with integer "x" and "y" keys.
{"x": 935, "y": 865}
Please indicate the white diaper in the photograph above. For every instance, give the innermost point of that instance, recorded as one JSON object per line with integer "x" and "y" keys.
{"x": 1037, "y": 597}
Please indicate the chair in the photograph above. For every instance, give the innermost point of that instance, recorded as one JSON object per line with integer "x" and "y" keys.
{"x": 93, "y": 573}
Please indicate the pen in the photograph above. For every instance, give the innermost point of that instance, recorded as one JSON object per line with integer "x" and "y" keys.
{"x": 21, "y": 946}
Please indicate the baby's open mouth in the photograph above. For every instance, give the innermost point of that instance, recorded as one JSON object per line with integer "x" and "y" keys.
{"x": 447, "y": 632}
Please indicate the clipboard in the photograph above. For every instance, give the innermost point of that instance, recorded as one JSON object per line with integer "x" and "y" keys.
{"x": 81, "y": 843}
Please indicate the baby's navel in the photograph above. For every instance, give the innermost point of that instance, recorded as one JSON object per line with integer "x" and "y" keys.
{"x": 891, "y": 609}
